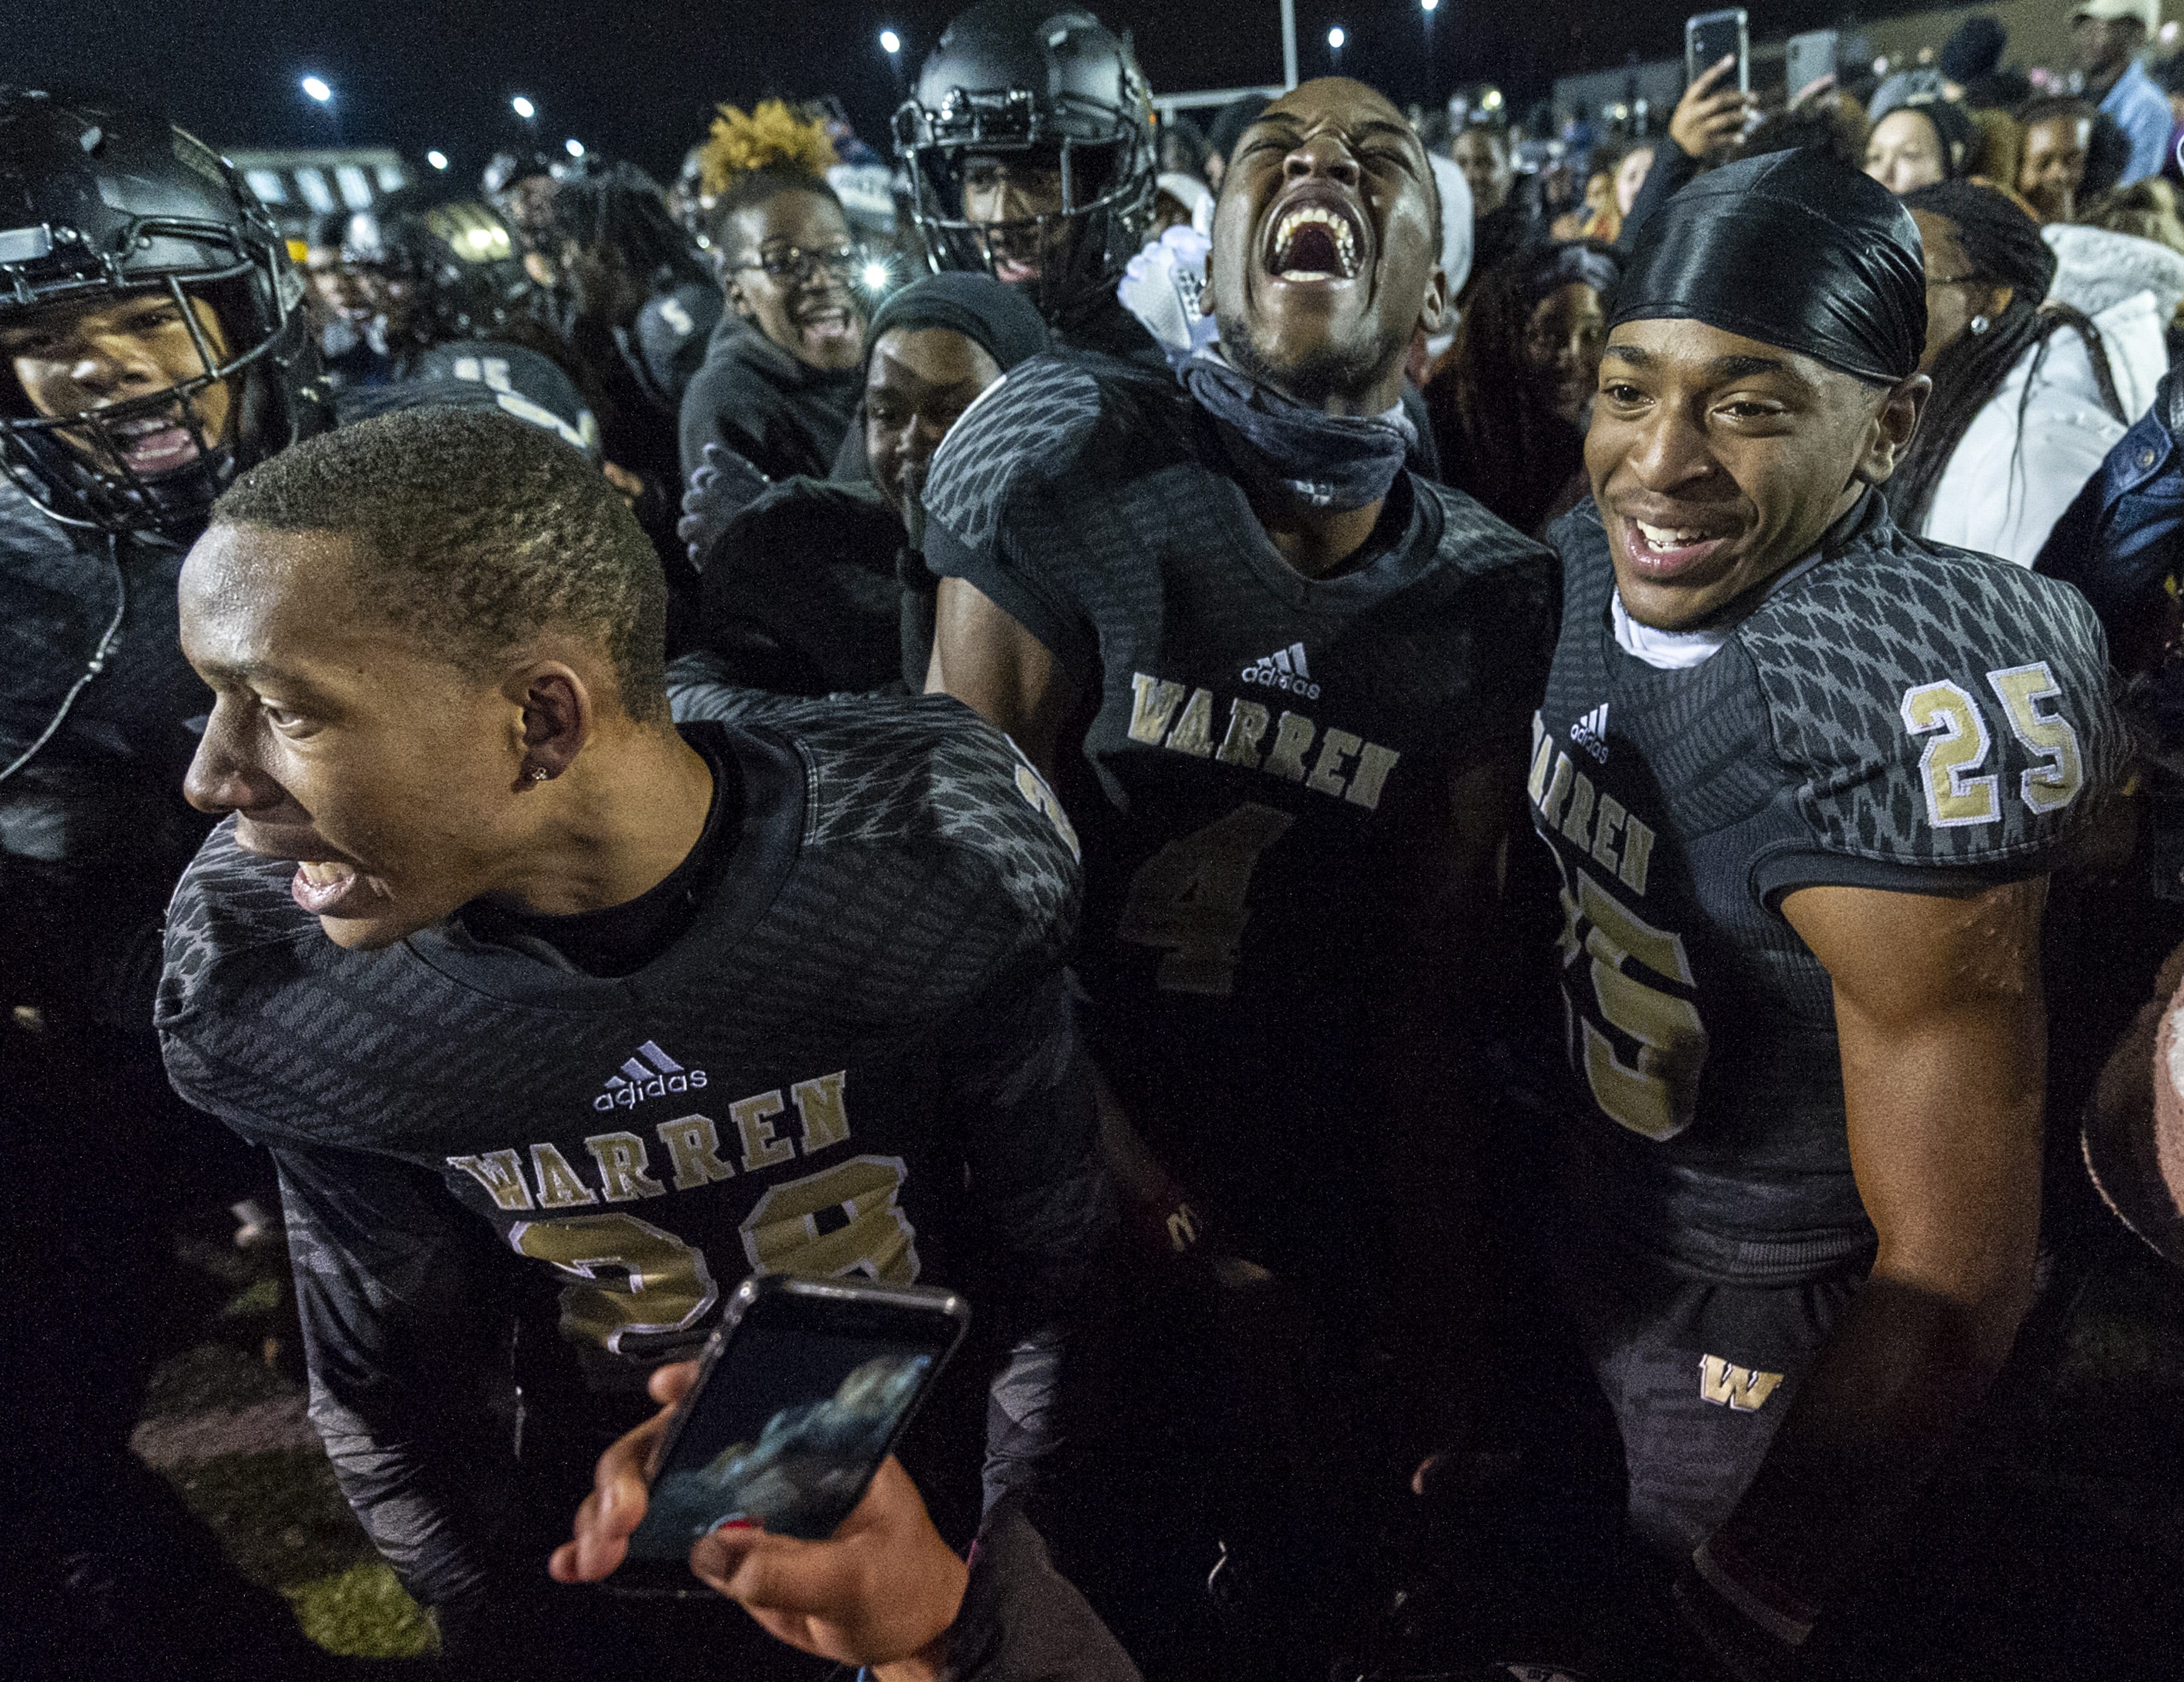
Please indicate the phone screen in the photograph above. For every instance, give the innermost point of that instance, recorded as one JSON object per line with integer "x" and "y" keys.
{"x": 790, "y": 1426}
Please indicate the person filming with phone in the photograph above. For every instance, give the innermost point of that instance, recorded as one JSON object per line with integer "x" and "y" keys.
{"x": 1708, "y": 126}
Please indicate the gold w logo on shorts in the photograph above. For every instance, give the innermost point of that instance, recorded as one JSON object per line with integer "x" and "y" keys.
{"x": 1725, "y": 1384}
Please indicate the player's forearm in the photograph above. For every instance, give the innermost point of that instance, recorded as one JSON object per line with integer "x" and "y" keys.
{"x": 1943, "y": 1087}
{"x": 1919, "y": 1344}
{"x": 1158, "y": 1213}
{"x": 1895, "y": 1384}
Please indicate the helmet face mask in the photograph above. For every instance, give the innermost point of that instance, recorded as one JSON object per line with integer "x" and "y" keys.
{"x": 1009, "y": 85}
{"x": 96, "y": 450}
{"x": 116, "y": 204}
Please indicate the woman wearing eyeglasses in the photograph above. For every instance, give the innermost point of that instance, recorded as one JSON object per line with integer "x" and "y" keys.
{"x": 2025, "y": 403}
{"x": 783, "y": 373}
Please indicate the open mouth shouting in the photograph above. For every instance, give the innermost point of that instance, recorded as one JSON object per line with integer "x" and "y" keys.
{"x": 331, "y": 887}
{"x": 323, "y": 885}
{"x": 152, "y": 444}
{"x": 1316, "y": 236}
{"x": 825, "y": 325}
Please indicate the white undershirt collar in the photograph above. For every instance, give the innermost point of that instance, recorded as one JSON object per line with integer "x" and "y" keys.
{"x": 1681, "y": 650}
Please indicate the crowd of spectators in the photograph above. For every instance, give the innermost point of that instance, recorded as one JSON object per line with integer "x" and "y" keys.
{"x": 755, "y": 471}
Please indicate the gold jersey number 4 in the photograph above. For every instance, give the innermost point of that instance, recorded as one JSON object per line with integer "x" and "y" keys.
{"x": 634, "y": 1280}
{"x": 1958, "y": 795}
{"x": 1189, "y": 899}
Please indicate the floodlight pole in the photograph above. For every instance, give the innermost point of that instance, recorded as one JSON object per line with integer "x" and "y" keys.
{"x": 1289, "y": 43}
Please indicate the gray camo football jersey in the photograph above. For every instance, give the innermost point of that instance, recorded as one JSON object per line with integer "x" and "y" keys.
{"x": 1267, "y": 752}
{"x": 1905, "y": 716}
{"x": 857, "y": 1060}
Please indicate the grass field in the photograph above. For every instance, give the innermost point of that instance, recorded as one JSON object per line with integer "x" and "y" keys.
{"x": 226, "y": 1425}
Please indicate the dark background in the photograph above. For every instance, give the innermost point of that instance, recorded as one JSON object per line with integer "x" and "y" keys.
{"x": 638, "y": 80}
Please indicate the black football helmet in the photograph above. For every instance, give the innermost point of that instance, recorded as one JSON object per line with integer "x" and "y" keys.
{"x": 1028, "y": 78}
{"x": 99, "y": 199}
{"x": 461, "y": 263}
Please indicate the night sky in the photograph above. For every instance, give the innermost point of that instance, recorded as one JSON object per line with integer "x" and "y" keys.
{"x": 637, "y": 80}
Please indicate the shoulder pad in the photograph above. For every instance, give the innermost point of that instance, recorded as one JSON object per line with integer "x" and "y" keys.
{"x": 1483, "y": 537}
{"x": 229, "y": 902}
{"x": 1025, "y": 425}
{"x": 476, "y": 374}
{"x": 1938, "y": 707}
{"x": 929, "y": 771}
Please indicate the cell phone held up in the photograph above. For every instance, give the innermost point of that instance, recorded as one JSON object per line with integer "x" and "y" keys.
{"x": 1808, "y": 56}
{"x": 1711, "y": 37}
{"x": 801, "y": 1394}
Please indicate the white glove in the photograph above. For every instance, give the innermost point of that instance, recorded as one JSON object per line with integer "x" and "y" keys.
{"x": 1162, "y": 285}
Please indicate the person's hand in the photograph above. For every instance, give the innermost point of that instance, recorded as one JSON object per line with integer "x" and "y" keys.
{"x": 1162, "y": 285}
{"x": 1710, "y": 119}
{"x": 882, "y": 1592}
{"x": 1813, "y": 90}
{"x": 629, "y": 486}
{"x": 620, "y": 1485}
{"x": 723, "y": 487}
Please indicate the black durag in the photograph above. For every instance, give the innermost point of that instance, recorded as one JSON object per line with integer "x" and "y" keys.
{"x": 1794, "y": 249}
{"x": 1330, "y": 461}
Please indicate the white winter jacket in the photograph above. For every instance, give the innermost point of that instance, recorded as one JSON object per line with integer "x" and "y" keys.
{"x": 2004, "y": 490}
{"x": 2131, "y": 288}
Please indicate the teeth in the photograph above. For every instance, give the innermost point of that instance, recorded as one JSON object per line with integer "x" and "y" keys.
{"x": 1665, "y": 537}
{"x": 324, "y": 875}
{"x": 1345, "y": 242}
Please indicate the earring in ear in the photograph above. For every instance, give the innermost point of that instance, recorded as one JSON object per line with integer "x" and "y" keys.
{"x": 1979, "y": 324}
{"x": 540, "y": 774}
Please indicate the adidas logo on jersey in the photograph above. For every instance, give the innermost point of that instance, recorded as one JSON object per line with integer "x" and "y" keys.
{"x": 1283, "y": 669}
{"x": 649, "y": 1073}
{"x": 1590, "y": 733}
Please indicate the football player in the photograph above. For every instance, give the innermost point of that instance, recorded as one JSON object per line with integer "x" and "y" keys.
{"x": 1804, "y": 776}
{"x": 526, "y": 991}
{"x": 1285, "y": 682}
{"x": 1029, "y": 146}
{"x": 151, "y": 341}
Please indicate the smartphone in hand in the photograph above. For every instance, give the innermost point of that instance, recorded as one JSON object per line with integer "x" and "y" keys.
{"x": 1808, "y": 56}
{"x": 1711, "y": 37}
{"x": 801, "y": 1394}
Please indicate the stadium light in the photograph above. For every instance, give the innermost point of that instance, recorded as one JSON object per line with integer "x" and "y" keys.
{"x": 573, "y": 147}
{"x": 876, "y": 276}
{"x": 523, "y": 107}
{"x": 317, "y": 89}
{"x": 437, "y": 158}
{"x": 1336, "y": 37}
{"x": 1428, "y": 5}
{"x": 891, "y": 42}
